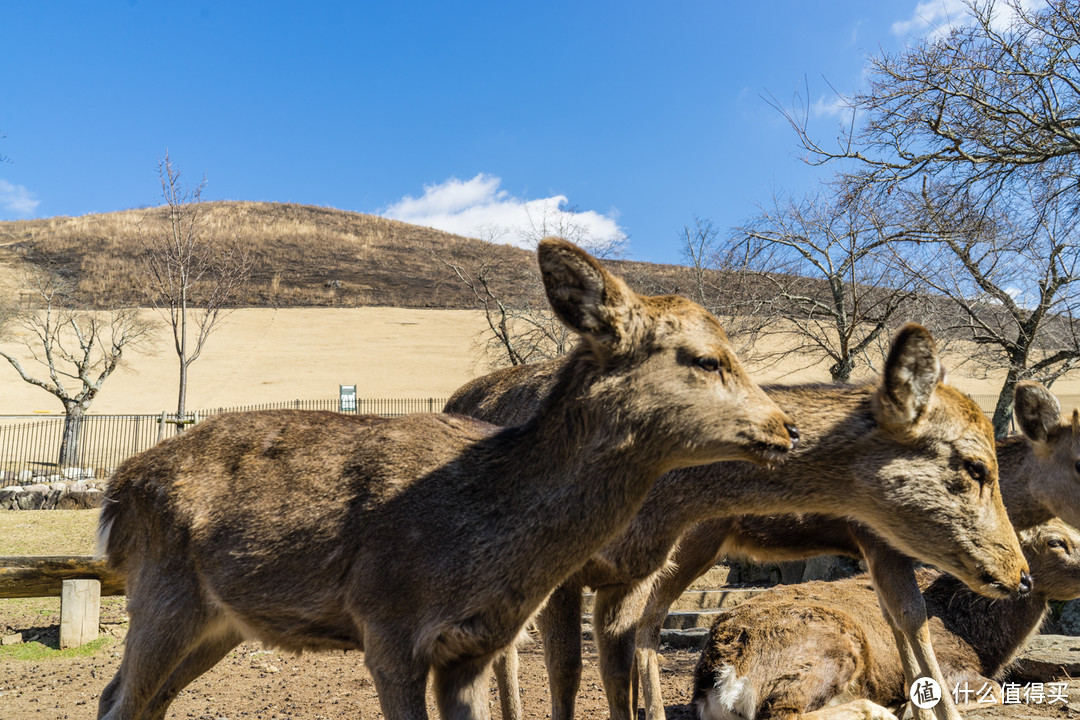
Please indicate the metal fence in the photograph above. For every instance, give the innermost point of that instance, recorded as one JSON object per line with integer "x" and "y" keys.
{"x": 389, "y": 407}
{"x": 30, "y": 444}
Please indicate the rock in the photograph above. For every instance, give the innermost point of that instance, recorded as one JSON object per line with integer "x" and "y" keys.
{"x": 15, "y": 639}
{"x": 80, "y": 500}
{"x": 690, "y": 639}
{"x": 31, "y": 498}
{"x": 78, "y": 473}
{"x": 1069, "y": 621}
{"x": 25, "y": 476}
{"x": 829, "y": 567}
{"x": 1047, "y": 657}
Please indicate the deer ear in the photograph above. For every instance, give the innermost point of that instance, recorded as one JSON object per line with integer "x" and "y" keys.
{"x": 911, "y": 374}
{"x": 586, "y": 297}
{"x": 1038, "y": 412}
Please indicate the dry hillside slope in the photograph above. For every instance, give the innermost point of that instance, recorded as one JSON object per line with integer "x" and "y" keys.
{"x": 303, "y": 256}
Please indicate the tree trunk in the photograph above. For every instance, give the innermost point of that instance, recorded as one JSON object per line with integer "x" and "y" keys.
{"x": 841, "y": 370}
{"x": 1003, "y": 412}
{"x": 69, "y": 444}
{"x": 181, "y": 404}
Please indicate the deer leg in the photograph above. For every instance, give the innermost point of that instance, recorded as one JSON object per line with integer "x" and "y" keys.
{"x": 201, "y": 658}
{"x": 615, "y": 618}
{"x": 506, "y": 668}
{"x": 461, "y": 689}
{"x": 560, "y": 630}
{"x": 696, "y": 554}
{"x": 905, "y": 610}
{"x": 161, "y": 634}
{"x": 400, "y": 679}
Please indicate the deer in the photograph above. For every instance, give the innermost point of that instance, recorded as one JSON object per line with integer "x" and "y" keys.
{"x": 908, "y": 456}
{"x": 425, "y": 541}
{"x": 822, "y": 651}
{"x": 1039, "y": 475}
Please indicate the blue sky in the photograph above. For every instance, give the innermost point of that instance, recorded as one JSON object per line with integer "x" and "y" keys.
{"x": 461, "y": 115}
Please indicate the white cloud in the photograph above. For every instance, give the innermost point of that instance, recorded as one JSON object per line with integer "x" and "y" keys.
{"x": 478, "y": 208}
{"x": 935, "y": 18}
{"x": 834, "y": 105}
{"x": 17, "y": 199}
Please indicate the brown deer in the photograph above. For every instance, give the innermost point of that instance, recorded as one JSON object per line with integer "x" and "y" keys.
{"x": 909, "y": 456}
{"x": 426, "y": 541}
{"x": 1039, "y": 476}
{"x": 822, "y": 650}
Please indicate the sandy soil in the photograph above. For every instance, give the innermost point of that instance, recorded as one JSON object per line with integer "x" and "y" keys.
{"x": 254, "y": 683}
{"x": 265, "y": 355}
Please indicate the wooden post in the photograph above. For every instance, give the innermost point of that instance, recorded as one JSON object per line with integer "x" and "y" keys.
{"x": 80, "y": 612}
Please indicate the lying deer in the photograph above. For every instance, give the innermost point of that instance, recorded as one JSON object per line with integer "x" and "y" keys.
{"x": 426, "y": 541}
{"x": 909, "y": 456}
{"x": 1039, "y": 476}
{"x": 822, "y": 650}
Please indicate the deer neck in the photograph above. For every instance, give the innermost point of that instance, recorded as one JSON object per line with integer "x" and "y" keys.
{"x": 995, "y": 630}
{"x": 576, "y": 456}
{"x": 1018, "y": 468}
{"x": 813, "y": 479}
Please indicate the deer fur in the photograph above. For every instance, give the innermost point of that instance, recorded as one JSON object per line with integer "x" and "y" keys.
{"x": 1039, "y": 477}
{"x": 823, "y": 650}
{"x": 883, "y": 453}
{"x": 426, "y": 541}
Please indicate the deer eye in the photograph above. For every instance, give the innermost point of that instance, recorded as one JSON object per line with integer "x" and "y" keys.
{"x": 1078, "y": 466}
{"x": 1057, "y": 544}
{"x": 708, "y": 364}
{"x": 976, "y": 470}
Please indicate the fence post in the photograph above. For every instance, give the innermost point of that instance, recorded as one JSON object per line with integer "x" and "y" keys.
{"x": 80, "y": 612}
{"x": 161, "y": 425}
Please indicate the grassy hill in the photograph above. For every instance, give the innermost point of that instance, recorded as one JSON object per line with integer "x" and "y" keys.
{"x": 303, "y": 256}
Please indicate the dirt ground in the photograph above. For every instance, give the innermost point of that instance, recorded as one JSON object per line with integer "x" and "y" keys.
{"x": 265, "y": 685}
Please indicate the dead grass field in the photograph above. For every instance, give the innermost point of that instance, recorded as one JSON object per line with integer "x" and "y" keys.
{"x": 267, "y": 355}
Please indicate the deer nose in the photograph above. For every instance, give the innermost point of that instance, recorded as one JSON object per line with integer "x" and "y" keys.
{"x": 1025, "y": 584}
{"x": 793, "y": 433}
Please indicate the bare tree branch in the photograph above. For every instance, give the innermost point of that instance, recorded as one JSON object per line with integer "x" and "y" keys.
{"x": 191, "y": 275}
{"x": 78, "y": 350}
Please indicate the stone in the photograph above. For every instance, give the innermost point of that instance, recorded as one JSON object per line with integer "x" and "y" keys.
{"x": 15, "y": 639}
{"x": 80, "y": 500}
{"x": 1046, "y": 658}
{"x": 1069, "y": 621}
{"x": 30, "y": 499}
{"x": 689, "y": 639}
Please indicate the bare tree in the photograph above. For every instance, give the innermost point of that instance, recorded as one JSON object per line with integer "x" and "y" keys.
{"x": 996, "y": 97}
{"x": 79, "y": 350}
{"x": 1011, "y": 269}
{"x": 977, "y": 130}
{"x": 521, "y": 326}
{"x": 192, "y": 275}
{"x": 824, "y": 279}
{"x": 521, "y": 329}
{"x": 714, "y": 276}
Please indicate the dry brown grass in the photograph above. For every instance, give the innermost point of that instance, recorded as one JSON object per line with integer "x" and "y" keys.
{"x": 302, "y": 256}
